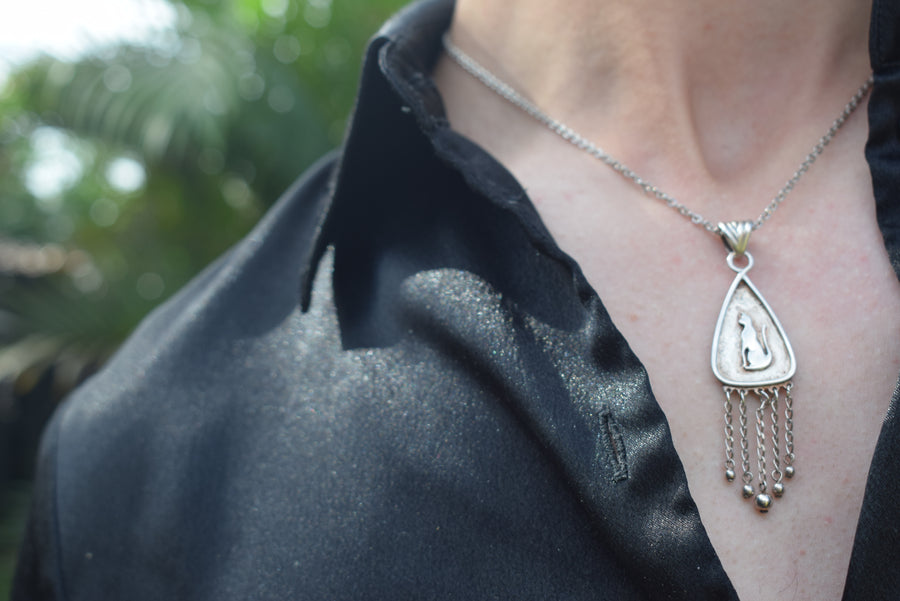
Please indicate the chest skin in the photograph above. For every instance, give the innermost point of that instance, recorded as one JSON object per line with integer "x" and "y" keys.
{"x": 821, "y": 264}
{"x": 829, "y": 282}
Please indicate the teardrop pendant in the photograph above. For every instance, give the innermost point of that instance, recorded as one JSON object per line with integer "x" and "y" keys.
{"x": 750, "y": 348}
{"x": 753, "y": 358}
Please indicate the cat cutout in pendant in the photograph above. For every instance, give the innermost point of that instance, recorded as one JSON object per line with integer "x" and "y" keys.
{"x": 755, "y": 353}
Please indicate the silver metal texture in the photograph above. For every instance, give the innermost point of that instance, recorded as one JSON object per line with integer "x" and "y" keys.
{"x": 736, "y": 235}
{"x": 789, "y": 470}
{"x": 763, "y": 502}
{"x": 746, "y": 474}
{"x": 750, "y": 348}
{"x": 768, "y": 398}
{"x": 777, "y": 474}
{"x": 510, "y": 94}
{"x": 761, "y": 442}
{"x": 729, "y": 437}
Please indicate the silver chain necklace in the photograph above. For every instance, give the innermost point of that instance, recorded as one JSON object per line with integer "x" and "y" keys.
{"x": 751, "y": 354}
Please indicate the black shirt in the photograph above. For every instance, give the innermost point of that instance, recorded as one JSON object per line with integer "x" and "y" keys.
{"x": 399, "y": 387}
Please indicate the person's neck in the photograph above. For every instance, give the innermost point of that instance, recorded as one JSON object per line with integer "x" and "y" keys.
{"x": 725, "y": 83}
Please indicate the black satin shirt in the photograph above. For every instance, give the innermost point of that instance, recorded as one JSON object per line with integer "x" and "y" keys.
{"x": 399, "y": 387}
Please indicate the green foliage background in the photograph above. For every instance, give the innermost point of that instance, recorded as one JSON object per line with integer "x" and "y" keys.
{"x": 221, "y": 113}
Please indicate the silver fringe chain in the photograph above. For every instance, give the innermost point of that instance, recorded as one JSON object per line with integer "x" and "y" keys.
{"x": 767, "y": 411}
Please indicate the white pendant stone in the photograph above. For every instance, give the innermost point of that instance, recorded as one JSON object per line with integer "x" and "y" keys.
{"x": 750, "y": 348}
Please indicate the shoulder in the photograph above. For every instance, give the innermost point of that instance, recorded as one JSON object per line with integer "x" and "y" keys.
{"x": 127, "y": 454}
{"x": 190, "y": 342}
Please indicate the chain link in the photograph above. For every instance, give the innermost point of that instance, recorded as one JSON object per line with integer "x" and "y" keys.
{"x": 747, "y": 475}
{"x": 776, "y": 449}
{"x": 788, "y": 425}
{"x": 761, "y": 438}
{"x": 729, "y": 431}
{"x": 507, "y": 92}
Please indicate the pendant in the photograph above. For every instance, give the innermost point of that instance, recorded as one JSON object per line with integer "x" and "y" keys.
{"x": 753, "y": 358}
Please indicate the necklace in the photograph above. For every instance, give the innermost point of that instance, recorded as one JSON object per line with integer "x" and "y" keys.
{"x": 751, "y": 354}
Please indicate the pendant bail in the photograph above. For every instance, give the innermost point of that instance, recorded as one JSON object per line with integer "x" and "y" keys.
{"x": 736, "y": 235}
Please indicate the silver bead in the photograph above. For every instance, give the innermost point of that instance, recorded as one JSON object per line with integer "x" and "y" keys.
{"x": 778, "y": 489}
{"x": 747, "y": 491}
{"x": 763, "y": 502}
{"x": 729, "y": 475}
{"x": 789, "y": 471}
